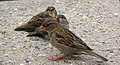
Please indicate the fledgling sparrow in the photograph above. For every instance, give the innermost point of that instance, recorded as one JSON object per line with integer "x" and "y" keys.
{"x": 36, "y": 21}
{"x": 63, "y": 21}
{"x": 65, "y": 41}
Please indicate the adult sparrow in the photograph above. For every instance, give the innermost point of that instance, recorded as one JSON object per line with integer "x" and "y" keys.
{"x": 65, "y": 41}
{"x": 60, "y": 18}
{"x": 36, "y": 21}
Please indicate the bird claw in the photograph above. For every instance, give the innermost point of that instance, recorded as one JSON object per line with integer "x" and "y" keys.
{"x": 55, "y": 59}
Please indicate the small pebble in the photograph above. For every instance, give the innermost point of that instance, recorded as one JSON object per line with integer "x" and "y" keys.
{"x": 14, "y": 48}
{"x": 27, "y": 61}
{"x": 1, "y": 60}
{"x": 15, "y": 9}
{"x": 37, "y": 47}
{"x": 42, "y": 55}
{"x": 20, "y": 23}
{"x": 11, "y": 12}
{"x": 84, "y": 17}
{"x": 116, "y": 14}
{"x": 21, "y": 64}
{"x": 83, "y": 62}
{"x": 57, "y": 1}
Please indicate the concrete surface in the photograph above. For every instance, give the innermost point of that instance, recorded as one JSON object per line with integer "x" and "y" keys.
{"x": 97, "y": 22}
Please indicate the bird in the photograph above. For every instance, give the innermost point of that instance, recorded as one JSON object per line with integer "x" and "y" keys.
{"x": 37, "y": 33}
{"x": 60, "y": 19}
{"x": 66, "y": 41}
{"x": 63, "y": 20}
{"x": 36, "y": 21}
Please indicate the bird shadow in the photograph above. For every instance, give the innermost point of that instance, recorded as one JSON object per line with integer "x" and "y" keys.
{"x": 85, "y": 60}
{"x": 38, "y": 39}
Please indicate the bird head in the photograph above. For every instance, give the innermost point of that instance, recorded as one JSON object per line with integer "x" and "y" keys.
{"x": 51, "y": 11}
{"x": 50, "y": 25}
{"x": 61, "y": 19}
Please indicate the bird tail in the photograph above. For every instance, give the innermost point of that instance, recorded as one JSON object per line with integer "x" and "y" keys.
{"x": 96, "y": 55}
{"x": 20, "y": 28}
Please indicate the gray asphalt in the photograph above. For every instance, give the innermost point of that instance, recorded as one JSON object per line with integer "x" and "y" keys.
{"x": 97, "y": 22}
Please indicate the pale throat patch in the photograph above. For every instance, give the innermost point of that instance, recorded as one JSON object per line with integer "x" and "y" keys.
{"x": 53, "y": 15}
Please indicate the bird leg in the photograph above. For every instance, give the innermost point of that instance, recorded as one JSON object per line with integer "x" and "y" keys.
{"x": 55, "y": 59}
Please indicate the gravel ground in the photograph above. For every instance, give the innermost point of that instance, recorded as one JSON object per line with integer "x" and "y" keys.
{"x": 97, "y": 22}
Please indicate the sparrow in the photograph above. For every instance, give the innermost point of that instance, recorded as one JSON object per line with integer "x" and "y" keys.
{"x": 66, "y": 41}
{"x": 63, "y": 21}
{"x": 36, "y": 21}
{"x": 60, "y": 19}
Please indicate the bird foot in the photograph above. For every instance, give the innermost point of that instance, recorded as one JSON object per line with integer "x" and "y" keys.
{"x": 55, "y": 59}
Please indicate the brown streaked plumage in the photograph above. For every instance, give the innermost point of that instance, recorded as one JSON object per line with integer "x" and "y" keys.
{"x": 65, "y": 41}
{"x": 36, "y": 21}
{"x": 60, "y": 19}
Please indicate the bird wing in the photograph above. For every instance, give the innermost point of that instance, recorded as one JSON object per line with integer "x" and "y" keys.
{"x": 36, "y": 17}
{"x": 68, "y": 38}
{"x": 36, "y": 20}
{"x": 39, "y": 18}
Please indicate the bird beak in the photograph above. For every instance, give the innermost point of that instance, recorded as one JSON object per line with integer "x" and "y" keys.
{"x": 60, "y": 19}
{"x": 42, "y": 28}
{"x": 56, "y": 17}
